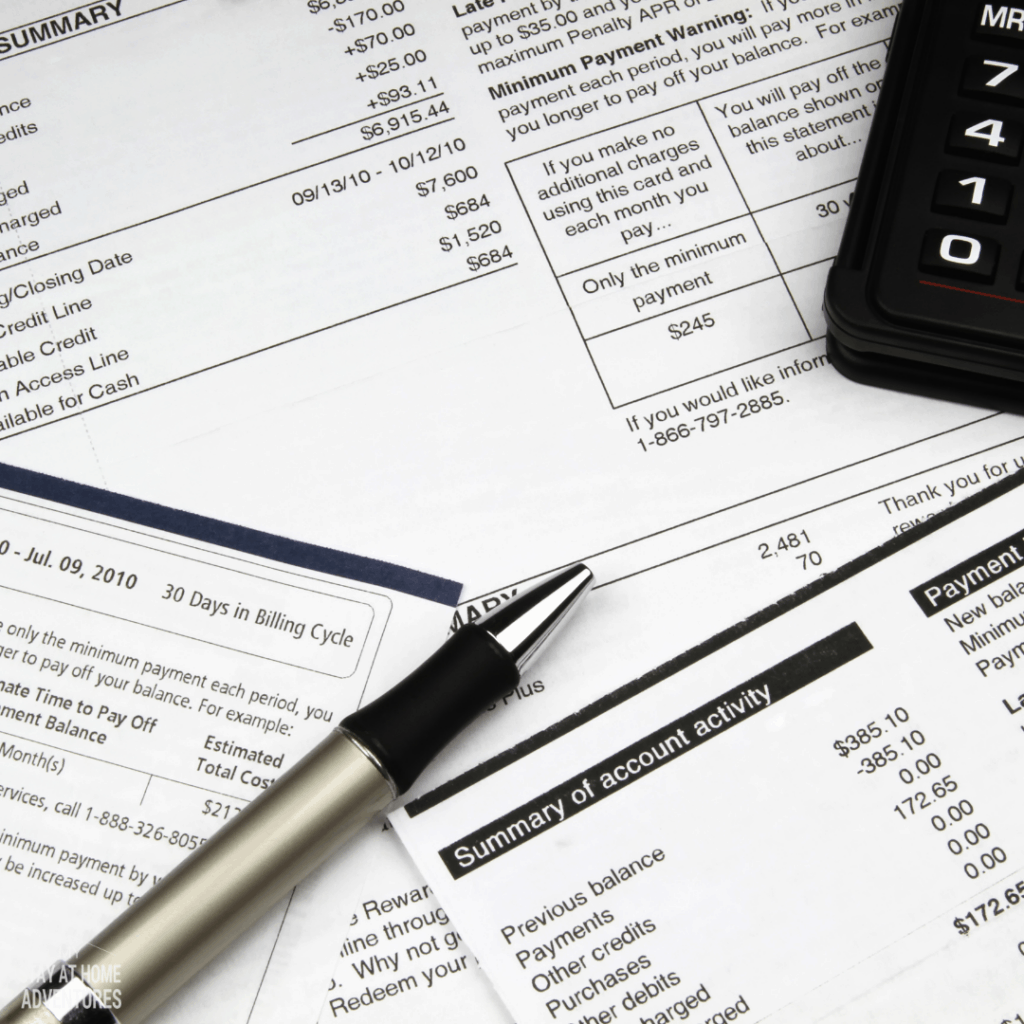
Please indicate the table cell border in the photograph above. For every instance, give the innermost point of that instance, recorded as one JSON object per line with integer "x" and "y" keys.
{"x": 713, "y": 373}
{"x": 752, "y": 213}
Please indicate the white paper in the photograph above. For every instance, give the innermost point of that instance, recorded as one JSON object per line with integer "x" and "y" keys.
{"x": 813, "y": 816}
{"x": 309, "y": 351}
{"x": 303, "y": 325}
{"x": 154, "y": 681}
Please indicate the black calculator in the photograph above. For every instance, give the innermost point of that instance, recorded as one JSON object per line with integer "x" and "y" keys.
{"x": 927, "y": 291}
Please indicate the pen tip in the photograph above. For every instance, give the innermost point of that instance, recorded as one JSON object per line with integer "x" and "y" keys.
{"x": 523, "y": 625}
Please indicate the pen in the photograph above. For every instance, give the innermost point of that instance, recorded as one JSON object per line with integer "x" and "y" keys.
{"x": 224, "y": 886}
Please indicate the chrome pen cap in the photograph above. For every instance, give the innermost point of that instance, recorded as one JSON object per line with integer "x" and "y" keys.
{"x": 523, "y": 625}
{"x": 407, "y": 727}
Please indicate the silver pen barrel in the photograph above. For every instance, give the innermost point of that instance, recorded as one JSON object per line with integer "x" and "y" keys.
{"x": 237, "y": 875}
{"x": 223, "y": 887}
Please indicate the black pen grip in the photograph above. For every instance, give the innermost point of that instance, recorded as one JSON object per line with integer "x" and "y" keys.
{"x": 407, "y": 727}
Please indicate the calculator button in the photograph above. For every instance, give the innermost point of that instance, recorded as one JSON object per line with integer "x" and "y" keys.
{"x": 995, "y": 79}
{"x": 973, "y": 195}
{"x": 955, "y": 255}
{"x": 989, "y": 137}
{"x": 1004, "y": 22}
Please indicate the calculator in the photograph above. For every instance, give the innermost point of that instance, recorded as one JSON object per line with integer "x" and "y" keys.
{"x": 927, "y": 291}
